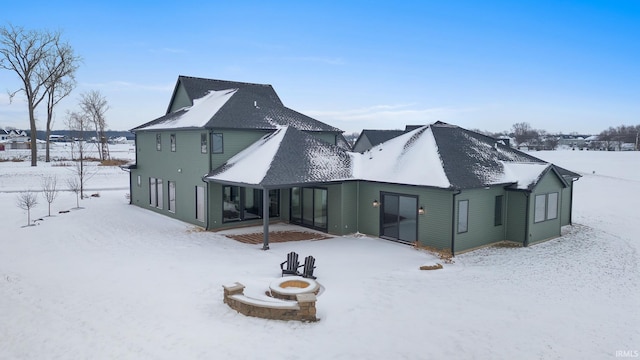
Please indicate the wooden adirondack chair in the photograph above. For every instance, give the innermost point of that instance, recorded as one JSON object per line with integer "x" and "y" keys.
{"x": 309, "y": 265}
{"x": 292, "y": 264}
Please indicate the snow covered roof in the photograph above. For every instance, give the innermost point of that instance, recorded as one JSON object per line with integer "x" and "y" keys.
{"x": 438, "y": 155}
{"x": 412, "y": 158}
{"x": 233, "y": 105}
{"x": 286, "y": 157}
{"x": 198, "y": 115}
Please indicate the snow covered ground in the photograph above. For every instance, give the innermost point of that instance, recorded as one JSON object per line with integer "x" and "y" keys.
{"x": 114, "y": 281}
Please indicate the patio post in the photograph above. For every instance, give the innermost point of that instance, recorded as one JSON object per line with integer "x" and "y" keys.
{"x": 265, "y": 219}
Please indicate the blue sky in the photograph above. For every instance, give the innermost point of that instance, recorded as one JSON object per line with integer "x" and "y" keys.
{"x": 561, "y": 66}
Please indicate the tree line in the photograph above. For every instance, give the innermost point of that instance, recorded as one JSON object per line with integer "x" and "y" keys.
{"x": 611, "y": 138}
{"x": 46, "y": 66}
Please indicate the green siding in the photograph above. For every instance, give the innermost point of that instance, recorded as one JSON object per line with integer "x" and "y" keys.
{"x": 566, "y": 205}
{"x": 185, "y": 166}
{"x": 349, "y": 207}
{"x": 180, "y": 100}
{"x": 234, "y": 141}
{"x": 481, "y": 229}
{"x": 516, "y": 215}
{"x": 434, "y": 227}
{"x": 324, "y": 136}
{"x": 334, "y": 208}
{"x": 550, "y": 228}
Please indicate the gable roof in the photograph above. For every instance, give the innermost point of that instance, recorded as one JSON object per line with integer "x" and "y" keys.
{"x": 196, "y": 88}
{"x": 248, "y": 106}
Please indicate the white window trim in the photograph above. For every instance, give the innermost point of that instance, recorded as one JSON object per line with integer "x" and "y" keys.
{"x": 542, "y": 211}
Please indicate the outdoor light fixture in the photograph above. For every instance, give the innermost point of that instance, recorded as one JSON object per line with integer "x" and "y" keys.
{"x": 376, "y": 203}
{"x": 421, "y": 211}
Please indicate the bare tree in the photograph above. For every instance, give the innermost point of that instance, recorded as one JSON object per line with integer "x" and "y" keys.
{"x": 78, "y": 122}
{"x": 61, "y": 82}
{"x": 50, "y": 189}
{"x": 524, "y": 133}
{"x": 27, "y": 53}
{"x": 95, "y": 107}
{"x": 27, "y": 200}
{"x": 74, "y": 186}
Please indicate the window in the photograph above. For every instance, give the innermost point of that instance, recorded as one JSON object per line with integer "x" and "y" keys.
{"x": 172, "y": 138}
{"x": 552, "y": 206}
{"x": 463, "y": 216}
{"x": 159, "y": 193}
{"x": 155, "y": 192}
{"x": 217, "y": 146}
{"x": 230, "y": 203}
{"x": 546, "y": 207}
{"x": 158, "y": 142}
{"x": 246, "y": 204}
{"x": 497, "y": 217}
{"x": 200, "y": 203}
{"x": 172, "y": 196}
{"x": 203, "y": 143}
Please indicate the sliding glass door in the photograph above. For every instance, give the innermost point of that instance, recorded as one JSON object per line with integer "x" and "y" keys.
{"x": 309, "y": 207}
{"x": 399, "y": 217}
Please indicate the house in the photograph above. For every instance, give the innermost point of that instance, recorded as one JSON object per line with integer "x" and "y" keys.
{"x": 230, "y": 154}
{"x": 18, "y": 140}
{"x": 369, "y": 138}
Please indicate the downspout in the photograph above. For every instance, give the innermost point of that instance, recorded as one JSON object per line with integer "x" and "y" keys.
{"x": 206, "y": 226}
{"x": 358, "y": 206}
{"x": 525, "y": 243}
{"x": 453, "y": 221}
{"x": 571, "y": 202}
{"x": 209, "y": 167}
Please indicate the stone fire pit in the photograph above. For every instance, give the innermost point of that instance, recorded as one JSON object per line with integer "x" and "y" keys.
{"x": 287, "y": 288}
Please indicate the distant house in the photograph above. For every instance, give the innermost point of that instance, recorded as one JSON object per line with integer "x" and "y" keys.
{"x": 18, "y": 140}
{"x": 369, "y": 138}
{"x": 230, "y": 154}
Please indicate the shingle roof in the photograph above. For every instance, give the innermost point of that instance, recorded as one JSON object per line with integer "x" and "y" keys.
{"x": 439, "y": 155}
{"x": 252, "y": 106}
{"x": 286, "y": 157}
{"x": 471, "y": 159}
{"x": 198, "y": 87}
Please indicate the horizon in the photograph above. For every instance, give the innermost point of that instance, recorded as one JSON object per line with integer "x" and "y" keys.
{"x": 563, "y": 68}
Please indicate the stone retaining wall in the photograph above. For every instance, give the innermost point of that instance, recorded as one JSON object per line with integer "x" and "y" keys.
{"x": 304, "y": 309}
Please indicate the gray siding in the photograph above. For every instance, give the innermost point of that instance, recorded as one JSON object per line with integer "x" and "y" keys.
{"x": 481, "y": 229}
